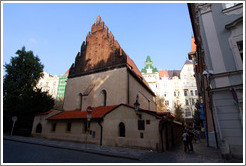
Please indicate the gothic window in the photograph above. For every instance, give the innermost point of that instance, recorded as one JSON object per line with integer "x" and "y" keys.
{"x": 39, "y": 128}
{"x": 122, "y": 129}
{"x": 104, "y": 98}
{"x": 80, "y": 101}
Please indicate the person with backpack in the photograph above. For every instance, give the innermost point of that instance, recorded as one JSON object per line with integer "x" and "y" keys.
{"x": 185, "y": 141}
{"x": 190, "y": 139}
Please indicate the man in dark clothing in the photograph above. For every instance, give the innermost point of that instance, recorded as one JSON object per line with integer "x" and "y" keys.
{"x": 185, "y": 140}
{"x": 190, "y": 139}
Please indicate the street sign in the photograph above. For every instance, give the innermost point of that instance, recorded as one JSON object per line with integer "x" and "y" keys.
{"x": 89, "y": 110}
{"x": 14, "y": 119}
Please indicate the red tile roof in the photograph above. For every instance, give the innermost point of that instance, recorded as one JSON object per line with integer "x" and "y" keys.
{"x": 97, "y": 112}
{"x": 163, "y": 73}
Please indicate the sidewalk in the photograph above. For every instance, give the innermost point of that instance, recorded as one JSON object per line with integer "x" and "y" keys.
{"x": 128, "y": 153}
{"x": 201, "y": 154}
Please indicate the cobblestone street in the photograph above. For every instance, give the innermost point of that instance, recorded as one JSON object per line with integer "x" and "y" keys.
{"x": 201, "y": 154}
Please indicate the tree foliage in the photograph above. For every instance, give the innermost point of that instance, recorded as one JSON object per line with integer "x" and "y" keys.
{"x": 21, "y": 96}
{"x": 160, "y": 104}
{"x": 59, "y": 104}
{"x": 178, "y": 113}
{"x": 196, "y": 116}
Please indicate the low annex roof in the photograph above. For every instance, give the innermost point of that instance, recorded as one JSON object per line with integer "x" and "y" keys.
{"x": 98, "y": 112}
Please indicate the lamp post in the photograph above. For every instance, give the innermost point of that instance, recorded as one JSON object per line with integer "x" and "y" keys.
{"x": 136, "y": 106}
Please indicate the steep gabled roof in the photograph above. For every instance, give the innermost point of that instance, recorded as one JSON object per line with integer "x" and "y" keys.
{"x": 172, "y": 73}
{"x": 101, "y": 52}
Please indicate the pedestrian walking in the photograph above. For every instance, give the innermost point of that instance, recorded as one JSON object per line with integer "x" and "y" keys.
{"x": 185, "y": 141}
{"x": 190, "y": 139}
{"x": 199, "y": 135}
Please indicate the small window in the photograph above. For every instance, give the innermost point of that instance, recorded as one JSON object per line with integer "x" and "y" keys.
{"x": 147, "y": 121}
{"x": 53, "y": 127}
{"x": 240, "y": 48}
{"x": 174, "y": 93}
{"x": 167, "y": 103}
{"x": 141, "y": 135}
{"x": 186, "y": 102}
{"x": 191, "y": 92}
{"x": 69, "y": 125}
{"x": 93, "y": 134}
{"x": 196, "y": 92}
{"x": 185, "y": 93}
{"x": 187, "y": 113}
{"x": 141, "y": 125}
{"x": 193, "y": 101}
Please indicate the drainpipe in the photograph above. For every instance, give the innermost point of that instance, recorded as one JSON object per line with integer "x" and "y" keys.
{"x": 212, "y": 113}
{"x": 161, "y": 133}
{"x": 101, "y": 131}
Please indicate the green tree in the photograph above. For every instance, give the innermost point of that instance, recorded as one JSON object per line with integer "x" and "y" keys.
{"x": 59, "y": 104}
{"x": 178, "y": 113}
{"x": 21, "y": 97}
{"x": 196, "y": 116}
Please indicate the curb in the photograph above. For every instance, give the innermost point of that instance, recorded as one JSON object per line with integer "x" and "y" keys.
{"x": 75, "y": 149}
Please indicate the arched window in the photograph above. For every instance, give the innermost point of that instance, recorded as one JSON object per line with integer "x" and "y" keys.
{"x": 121, "y": 129}
{"x": 104, "y": 98}
{"x": 80, "y": 101}
{"x": 39, "y": 128}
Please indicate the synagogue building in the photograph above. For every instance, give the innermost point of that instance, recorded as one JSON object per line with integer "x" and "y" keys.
{"x": 123, "y": 105}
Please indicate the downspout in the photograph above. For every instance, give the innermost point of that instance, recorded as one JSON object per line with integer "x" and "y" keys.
{"x": 161, "y": 134}
{"x": 101, "y": 132}
{"x": 212, "y": 114}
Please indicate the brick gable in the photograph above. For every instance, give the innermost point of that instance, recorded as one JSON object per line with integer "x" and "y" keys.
{"x": 100, "y": 51}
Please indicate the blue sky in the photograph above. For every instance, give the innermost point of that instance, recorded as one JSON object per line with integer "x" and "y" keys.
{"x": 55, "y": 31}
